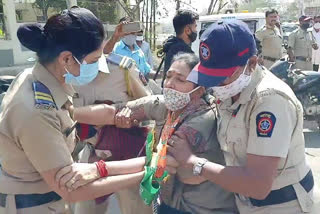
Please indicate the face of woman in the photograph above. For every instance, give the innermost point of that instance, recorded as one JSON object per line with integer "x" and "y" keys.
{"x": 177, "y": 77}
{"x": 74, "y": 67}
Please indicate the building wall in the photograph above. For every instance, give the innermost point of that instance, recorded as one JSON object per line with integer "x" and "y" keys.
{"x": 312, "y": 3}
{"x": 312, "y": 7}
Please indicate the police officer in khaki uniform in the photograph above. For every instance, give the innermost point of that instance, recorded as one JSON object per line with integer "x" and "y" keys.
{"x": 269, "y": 40}
{"x": 260, "y": 127}
{"x": 118, "y": 81}
{"x": 300, "y": 44}
{"x": 34, "y": 120}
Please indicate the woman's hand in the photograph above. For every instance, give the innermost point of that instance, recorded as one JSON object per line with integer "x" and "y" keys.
{"x": 123, "y": 119}
{"x": 77, "y": 175}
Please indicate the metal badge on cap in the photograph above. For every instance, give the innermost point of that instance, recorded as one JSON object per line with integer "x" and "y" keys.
{"x": 205, "y": 52}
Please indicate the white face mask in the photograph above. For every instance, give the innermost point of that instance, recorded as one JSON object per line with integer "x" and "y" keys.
{"x": 232, "y": 89}
{"x": 129, "y": 39}
{"x": 176, "y": 100}
{"x": 316, "y": 25}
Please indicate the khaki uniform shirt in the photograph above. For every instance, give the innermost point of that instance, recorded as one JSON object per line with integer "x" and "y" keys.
{"x": 199, "y": 125}
{"x": 271, "y": 41}
{"x": 267, "y": 120}
{"x": 32, "y": 137}
{"x": 301, "y": 43}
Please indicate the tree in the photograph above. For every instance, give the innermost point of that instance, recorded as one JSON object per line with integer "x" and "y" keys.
{"x": 132, "y": 11}
{"x": 44, "y": 6}
{"x": 222, "y": 4}
{"x": 213, "y": 4}
{"x": 252, "y": 5}
{"x": 2, "y": 22}
{"x": 293, "y": 11}
{"x": 106, "y": 11}
{"x": 178, "y": 4}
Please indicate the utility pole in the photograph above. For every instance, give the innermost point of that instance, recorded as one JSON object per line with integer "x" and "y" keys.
{"x": 301, "y": 7}
{"x": 71, "y": 3}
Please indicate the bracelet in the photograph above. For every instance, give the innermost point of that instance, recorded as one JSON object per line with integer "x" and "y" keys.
{"x": 102, "y": 168}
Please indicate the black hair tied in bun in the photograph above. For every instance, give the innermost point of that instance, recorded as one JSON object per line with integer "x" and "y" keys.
{"x": 32, "y": 37}
{"x": 76, "y": 30}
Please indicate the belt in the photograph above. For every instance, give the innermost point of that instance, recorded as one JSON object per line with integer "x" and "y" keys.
{"x": 270, "y": 58}
{"x": 284, "y": 194}
{"x": 302, "y": 58}
{"x": 30, "y": 200}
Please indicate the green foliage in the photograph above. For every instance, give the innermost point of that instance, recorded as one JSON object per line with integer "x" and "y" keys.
{"x": 254, "y": 4}
{"x": 106, "y": 11}
{"x": 293, "y": 12}
{"x": 44, "y": 5}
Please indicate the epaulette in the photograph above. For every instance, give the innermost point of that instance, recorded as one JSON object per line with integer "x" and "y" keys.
{"x": 122, "y": 61}
{"x": 42, "y": 96}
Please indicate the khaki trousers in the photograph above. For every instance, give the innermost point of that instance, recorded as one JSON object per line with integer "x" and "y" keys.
{"x": 131, "y": 203}
{"x": 307, "y": 66}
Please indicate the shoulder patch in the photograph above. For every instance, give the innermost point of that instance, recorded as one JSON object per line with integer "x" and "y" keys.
{"x": 122, "y": 61}
{"x": 42, "y": 96}
{"x": 265, "y": 123}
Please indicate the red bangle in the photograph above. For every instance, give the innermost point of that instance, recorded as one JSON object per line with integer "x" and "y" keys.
{"x": 102, "y": 168}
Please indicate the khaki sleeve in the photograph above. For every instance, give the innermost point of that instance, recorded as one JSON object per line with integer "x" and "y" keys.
{"x": 148, "y": 108}
{"x": 271, "y": 126}
{"x": 260, "y": 35}
{"x": 292, "y": 40}
{"x": 137, "y": 83}
{"x": 43, "y": 143}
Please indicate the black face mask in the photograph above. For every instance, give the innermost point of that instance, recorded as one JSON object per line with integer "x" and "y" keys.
{"x": 305, "y": 26}
{"x": 193, "y": 36}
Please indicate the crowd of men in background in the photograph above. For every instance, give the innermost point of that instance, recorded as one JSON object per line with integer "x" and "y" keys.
{"x": 303, "y": 43}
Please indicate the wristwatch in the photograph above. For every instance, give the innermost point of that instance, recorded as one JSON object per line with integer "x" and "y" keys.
{"x": 197, "y": 168}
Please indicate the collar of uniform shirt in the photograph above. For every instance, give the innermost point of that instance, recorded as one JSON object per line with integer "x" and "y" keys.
{"x": 60, "y": 93}
{"x": 256, "y": 77}
{"x": 270, "y": 27}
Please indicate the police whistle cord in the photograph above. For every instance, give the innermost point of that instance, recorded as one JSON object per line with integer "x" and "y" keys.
{"x": 155, "y": 173}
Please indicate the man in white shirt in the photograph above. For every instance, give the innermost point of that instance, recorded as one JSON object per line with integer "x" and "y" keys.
{"x": 145, "y": 47}
{"x": 316, "y": 34}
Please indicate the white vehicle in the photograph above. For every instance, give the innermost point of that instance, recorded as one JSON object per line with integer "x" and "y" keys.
{"x": 254, "y": 21}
